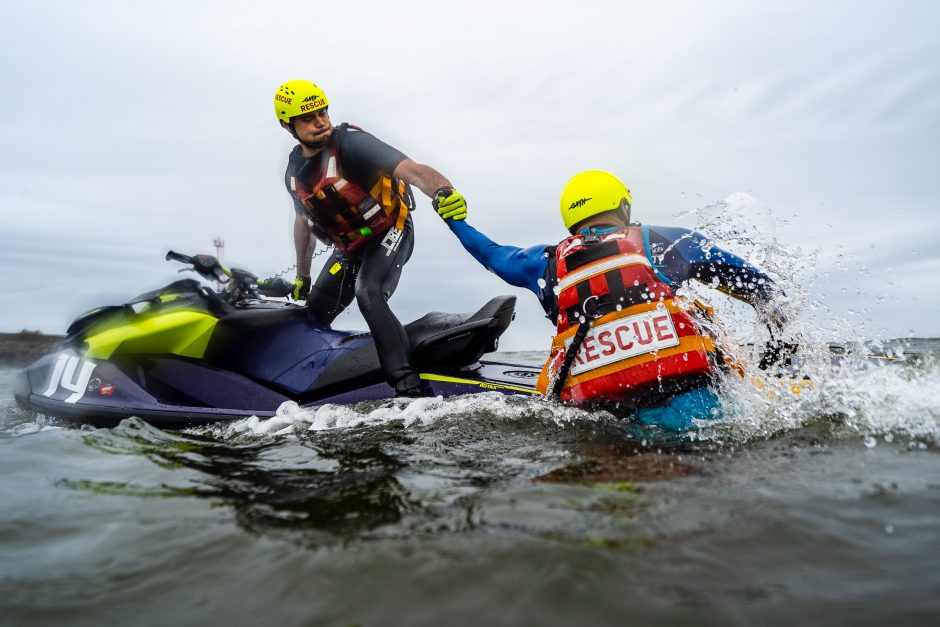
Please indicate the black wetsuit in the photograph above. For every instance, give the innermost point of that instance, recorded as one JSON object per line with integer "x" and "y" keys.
{"x": 370, "y": 272}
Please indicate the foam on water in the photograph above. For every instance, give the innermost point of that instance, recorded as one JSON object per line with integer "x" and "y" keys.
{"x": 26, "y": 428}
{"x": 291, "y": 419}
{"x": 16, "y": 422}
{"x": 853, "y": 398}
{"x": 887, "y": 400}
{"x": 881, "y": 401}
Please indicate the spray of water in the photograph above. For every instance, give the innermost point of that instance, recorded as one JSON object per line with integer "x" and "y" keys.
{"x": 850, "y": 394}
{"x": 292, "y": 419}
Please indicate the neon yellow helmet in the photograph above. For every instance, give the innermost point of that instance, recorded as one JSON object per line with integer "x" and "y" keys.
{"x": 295, "y": 98}
{"x": 590, "y": 193}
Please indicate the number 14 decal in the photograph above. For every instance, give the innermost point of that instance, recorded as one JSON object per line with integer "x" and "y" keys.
{"x": 64, "y": 376}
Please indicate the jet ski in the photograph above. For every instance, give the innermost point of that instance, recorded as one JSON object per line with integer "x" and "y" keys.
{"x": 188, "y": 354}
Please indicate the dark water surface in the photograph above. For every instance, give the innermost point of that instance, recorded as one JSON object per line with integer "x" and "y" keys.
{"x": 822, "y": 508}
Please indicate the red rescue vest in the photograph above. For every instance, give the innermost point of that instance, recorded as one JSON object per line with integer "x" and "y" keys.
{"x": 643, "y": 339}
{"x": 343, "y": 212}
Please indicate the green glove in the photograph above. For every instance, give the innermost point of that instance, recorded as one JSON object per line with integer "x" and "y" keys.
{"x": 449, "y": 204}
{"x": 301, "y": 288}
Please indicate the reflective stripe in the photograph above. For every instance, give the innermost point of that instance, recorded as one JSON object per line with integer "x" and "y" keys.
{"x": 331, "y": 168}
{"x": 402, "y": 216}
{"x": 483, "y": 384}
{"x": 600, "y": 268}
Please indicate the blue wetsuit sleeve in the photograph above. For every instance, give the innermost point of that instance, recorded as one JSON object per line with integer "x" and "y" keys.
{"x": 522, "y": 267}
{"x": 681, "y": 255}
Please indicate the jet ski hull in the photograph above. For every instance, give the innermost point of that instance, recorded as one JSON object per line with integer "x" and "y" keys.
{"x": 184, "y": 355}
{"x": 175, "y": 392}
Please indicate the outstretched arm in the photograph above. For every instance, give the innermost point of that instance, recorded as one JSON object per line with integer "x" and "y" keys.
{"x": 522, "y": 267}
{"x": 424, "y": 177}
{"x": 680, "y": 255}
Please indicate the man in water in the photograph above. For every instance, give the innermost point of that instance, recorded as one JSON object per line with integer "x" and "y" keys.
{"x": 351, "y": 190}
{"x": 623, "y": 335}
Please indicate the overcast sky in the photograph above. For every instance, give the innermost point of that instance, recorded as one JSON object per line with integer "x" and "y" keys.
{"x": 128, "y": 128}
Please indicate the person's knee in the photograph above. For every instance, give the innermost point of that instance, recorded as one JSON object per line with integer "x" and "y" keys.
{"x": 324, "y": 307}
{"x": 368, "y": 297}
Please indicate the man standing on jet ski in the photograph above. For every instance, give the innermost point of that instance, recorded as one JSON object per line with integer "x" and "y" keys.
{"x": 351, "y": 190}
{"x": 609, "y": 289}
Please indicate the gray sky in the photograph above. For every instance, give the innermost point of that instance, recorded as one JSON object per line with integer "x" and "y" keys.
{"x": 129, "y": 128}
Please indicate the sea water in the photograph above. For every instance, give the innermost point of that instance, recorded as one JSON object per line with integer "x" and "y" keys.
{"x": 821, "y": 507}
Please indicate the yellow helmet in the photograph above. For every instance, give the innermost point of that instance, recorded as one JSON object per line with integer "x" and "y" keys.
{"x": 590, "y": 193}
{"x": 295, "y": 98}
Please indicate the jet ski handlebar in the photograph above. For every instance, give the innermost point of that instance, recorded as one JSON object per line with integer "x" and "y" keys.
{"x": 204, "y": 265}
{"x": 239, "y": 283}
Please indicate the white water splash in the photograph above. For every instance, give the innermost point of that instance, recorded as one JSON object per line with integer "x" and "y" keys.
{"x": 28, "y": 428}
{"x": 851, "y": 400}
{"x": 292, "y": 419}
{"x": 744, "y": 225}
{"x": 899, "y": 398}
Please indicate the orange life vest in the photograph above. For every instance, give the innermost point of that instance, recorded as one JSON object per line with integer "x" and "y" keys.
{"x": 342, "y": 211}
{"x": 643, "y": 340}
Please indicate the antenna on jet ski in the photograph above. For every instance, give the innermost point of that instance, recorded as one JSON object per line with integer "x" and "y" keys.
{"x": 219, "y": 244}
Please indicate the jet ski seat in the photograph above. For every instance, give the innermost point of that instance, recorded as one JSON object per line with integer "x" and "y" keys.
{"x": 440, "y": 341}
{"x": 271, "y": 344}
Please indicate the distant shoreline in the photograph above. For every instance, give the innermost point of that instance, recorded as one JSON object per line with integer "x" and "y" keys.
{"x": 21, "y": 349}
{"x": 18, "y": 350}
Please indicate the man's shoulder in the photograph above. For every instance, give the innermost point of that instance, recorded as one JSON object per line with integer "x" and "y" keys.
{"x": 347, "y": 135}
{"x": 348, "y": 127}
{"x": 364, "y": 153}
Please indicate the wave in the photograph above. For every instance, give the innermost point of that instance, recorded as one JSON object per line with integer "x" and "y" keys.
{"x": 849, "y": 399}
{"x": 291, "y": 419}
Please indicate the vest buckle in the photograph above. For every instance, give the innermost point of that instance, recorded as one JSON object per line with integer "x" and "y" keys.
{"x": 590, "y": 307}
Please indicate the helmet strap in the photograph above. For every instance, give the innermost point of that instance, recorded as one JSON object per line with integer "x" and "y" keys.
{"x": 293, "y": 131}
{"x": 598, "y": 230}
